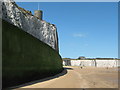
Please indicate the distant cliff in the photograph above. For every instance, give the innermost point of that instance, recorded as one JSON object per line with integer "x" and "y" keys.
{"x": 24, "y": 19}
{"x": 93, "y": 63}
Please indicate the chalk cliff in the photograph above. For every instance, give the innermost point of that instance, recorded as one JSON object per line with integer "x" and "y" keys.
{"x": 24, "y": 19}
{"x": 93, "y": 63}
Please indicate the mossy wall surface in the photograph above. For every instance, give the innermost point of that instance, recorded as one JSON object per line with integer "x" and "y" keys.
{"x": 25, "y": 58}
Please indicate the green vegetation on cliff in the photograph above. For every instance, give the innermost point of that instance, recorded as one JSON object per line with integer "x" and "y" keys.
{"x": 25, "y": 58}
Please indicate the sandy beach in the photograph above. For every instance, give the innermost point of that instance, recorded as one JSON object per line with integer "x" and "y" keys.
{"x": 85, "y": 77}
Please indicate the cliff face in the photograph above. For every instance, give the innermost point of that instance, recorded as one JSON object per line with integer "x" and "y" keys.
{"x": 21, "y": 18}
{"x": 93, "y": 63}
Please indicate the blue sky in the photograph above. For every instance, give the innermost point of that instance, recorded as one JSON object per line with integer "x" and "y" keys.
{"x": 87, "y": 29}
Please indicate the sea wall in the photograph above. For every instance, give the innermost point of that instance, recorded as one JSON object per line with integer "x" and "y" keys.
{"x": 26, "y": 58}
{"x": 93, "y": 63}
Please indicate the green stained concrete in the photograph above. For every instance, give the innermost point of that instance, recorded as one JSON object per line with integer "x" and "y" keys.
{"x": 25, "y": 58}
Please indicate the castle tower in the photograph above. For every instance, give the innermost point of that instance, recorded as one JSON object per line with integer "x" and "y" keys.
{"x": 38, "y": 13}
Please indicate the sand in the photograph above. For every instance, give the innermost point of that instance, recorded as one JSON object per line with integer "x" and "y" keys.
{"x": 87, "y": 77}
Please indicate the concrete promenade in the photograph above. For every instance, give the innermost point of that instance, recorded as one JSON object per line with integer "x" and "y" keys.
{"x": 77, "y": 77}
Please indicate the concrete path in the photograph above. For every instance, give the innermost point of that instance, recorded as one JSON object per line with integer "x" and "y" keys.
{"x": 88, "y": 77}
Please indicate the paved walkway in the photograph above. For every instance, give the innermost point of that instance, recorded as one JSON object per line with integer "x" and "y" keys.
{"x": 87, "y": 77}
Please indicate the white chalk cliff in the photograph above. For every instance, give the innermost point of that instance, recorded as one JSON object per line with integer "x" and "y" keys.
{"x": 23, "y": 19}
{"x": 93, "y": 63}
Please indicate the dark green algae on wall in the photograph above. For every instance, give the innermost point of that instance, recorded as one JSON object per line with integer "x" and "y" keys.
{"x": 25, "y": 58}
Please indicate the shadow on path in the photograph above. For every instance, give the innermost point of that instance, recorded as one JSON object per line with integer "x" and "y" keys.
{"x": 68, "y": 68}
{"x": 44, "y": 79}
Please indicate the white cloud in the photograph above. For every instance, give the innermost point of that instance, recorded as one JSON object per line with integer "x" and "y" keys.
{"x": 79, "y": 35}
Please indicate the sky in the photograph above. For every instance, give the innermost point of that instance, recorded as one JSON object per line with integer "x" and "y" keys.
{"x": 87, "y": 29}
